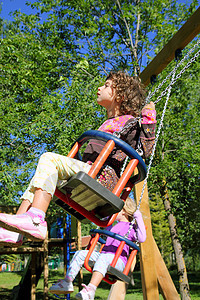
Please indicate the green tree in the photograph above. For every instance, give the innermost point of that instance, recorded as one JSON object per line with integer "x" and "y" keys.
{"x": 113, "y": 34}
{"x": 50, "y": 61}
{"x": 180, "y": 150}
{"x": 28, "y": 77}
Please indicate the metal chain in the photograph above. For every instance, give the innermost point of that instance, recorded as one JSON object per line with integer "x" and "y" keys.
{"x": 168, "y": 91}
{"x": 178, "y": 76}
{"x": 174, "y": 79}
{"x": 187, "y": 66}
{"x": 129, "y": 125}
{"x": 156, "y": 139}
{"x": 153, "y": 151}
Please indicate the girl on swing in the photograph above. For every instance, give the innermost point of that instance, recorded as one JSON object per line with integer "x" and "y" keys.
{"x": 123, "y": 98}
{"x": 103, "y": 260}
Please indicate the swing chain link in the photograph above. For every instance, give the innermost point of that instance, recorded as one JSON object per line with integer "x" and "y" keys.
{"x": 168, "y": 91}
{"x": 187, "y": 66}
{"x": 129, "y": 125}
{"x": 178, "y": 76}
{"x": 157, "y": 136}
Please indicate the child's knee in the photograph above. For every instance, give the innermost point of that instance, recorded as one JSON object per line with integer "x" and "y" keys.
{"x": 47, "y": 156}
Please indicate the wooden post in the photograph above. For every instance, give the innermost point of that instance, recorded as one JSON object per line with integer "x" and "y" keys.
{"x": 147, "y": 257}
{"x": 153, "y": 268}
{"x": 179, "y": 41}
{"x": 118, "y": 290}
{"x": 166, "y": 284}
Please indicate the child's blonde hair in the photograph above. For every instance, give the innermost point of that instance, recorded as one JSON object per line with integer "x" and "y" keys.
{"x": 130, "y": 208}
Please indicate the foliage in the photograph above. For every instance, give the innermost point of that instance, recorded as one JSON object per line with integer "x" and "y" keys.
{"x": 161, "y": 228}
{"x": 122, "y": 37}
{"x": 52, "y": 62}
{"x": 29, "y": 76}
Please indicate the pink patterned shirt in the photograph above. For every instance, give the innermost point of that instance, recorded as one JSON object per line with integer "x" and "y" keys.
{"x": 114, "y": 124}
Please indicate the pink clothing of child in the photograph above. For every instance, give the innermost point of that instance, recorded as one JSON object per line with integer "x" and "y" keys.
{"x": 104, "y": 259}
{"x": 138, "y": 233}
{"x": 114, "y": 124}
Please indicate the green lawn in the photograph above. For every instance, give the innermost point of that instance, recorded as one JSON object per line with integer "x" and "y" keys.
{"x": 8, "y": 280}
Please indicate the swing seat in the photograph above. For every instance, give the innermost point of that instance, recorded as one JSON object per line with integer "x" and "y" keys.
{"x": 91, "y": 195}
{"x": 86, "y": 199}
{"x": 112, "y": 274}
{"x": 115, "y": 275}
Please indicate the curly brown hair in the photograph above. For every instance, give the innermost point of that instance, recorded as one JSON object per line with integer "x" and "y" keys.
{"x": 130, "y": 90}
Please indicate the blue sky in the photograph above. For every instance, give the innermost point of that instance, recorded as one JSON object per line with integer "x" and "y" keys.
{"x": 12, "y": 5}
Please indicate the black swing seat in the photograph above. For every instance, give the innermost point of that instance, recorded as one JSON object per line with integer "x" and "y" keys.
{"x": 115, "y": 274}
{"x": 91, "y": 195}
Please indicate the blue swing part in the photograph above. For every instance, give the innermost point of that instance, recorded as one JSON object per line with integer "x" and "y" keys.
{"x": 85, "y": 198}
{"x": 112, "y": 274}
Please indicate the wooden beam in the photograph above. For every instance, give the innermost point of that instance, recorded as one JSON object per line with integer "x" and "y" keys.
{"x": 147, "y": 257}
{"x": 118, "y": 290}
{"x": 166, "y": 284}
{"x": 179, "y": 41}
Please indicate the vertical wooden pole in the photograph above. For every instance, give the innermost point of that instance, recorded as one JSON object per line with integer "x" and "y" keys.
{"x": 147, "y": 258}
{"x": 118, "y": 291}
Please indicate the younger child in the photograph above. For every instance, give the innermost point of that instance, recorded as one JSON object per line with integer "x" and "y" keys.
{"x": 123, "y": 98}
{"x": 103, "y": 260}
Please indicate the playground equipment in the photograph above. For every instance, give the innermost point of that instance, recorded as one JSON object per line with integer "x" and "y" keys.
{"x": 83, "y": 197}
{"x": 38, "y": 259}
{"x": 113, "y": 274}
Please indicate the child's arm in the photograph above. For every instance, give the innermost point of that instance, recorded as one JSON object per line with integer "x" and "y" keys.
{"x": 149, "y": 114}
{"x": 148, "y": 126}
{"x": 141, "y": 231}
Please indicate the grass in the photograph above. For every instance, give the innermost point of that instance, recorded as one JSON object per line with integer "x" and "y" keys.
{"x": 8, "y": 280}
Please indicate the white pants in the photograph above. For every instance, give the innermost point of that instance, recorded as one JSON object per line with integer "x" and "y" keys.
{"x": 102, "y": 261}
{"x": 51, "y": 171}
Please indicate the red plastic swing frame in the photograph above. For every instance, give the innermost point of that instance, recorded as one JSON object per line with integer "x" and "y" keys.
{"x": 120, "y": 248}
{"x": 109, "y": 146}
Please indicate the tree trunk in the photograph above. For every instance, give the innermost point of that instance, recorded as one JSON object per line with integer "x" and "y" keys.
{"x": 183, "y": 280}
